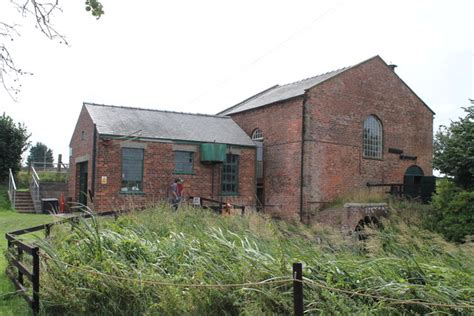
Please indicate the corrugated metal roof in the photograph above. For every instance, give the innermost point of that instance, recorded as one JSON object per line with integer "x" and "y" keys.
{"x": 280, "y": 93}
{"x": 156, "y": 124}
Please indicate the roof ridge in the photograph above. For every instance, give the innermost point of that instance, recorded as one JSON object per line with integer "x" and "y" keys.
{"x": 248, "y": 99}
{"x": 155, "y": 110}
{"x": 328, "y": 72}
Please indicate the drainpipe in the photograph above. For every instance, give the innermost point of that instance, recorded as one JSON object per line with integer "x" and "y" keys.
{"x": 94, "y": 153}
{"x": 303, "y": 130}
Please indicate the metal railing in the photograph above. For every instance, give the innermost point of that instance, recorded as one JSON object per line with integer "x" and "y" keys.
{"x": 35, "y": 189}
{"x": 50, "y": 166}
{"x": 11, "y": 188}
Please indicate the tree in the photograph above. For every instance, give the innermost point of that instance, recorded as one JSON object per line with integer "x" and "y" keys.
{"x": 13, "y": 143}
{"x": 454, "y": 150}
{"x": 452, "y": 214}
{"x": 41, "y": 12}
{"x": 40, "y": 153}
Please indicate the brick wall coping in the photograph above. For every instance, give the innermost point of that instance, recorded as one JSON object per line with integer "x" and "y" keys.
{"x": 364, "y": 205}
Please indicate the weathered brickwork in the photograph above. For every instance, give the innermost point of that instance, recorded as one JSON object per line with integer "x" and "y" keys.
{"x": 336, "y": 109}
{"x": 81, "y": 146}
{"x": 334, "y": 113}
{"x": 281, "y": 125}
{"x": 158, "y": 172}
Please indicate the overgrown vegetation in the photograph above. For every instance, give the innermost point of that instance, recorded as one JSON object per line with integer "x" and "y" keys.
{"x": 454, "y": 150}
{"x": 96, "y": 265}
{"x": 23, "y": 178}
{"x": 452, "y": 213}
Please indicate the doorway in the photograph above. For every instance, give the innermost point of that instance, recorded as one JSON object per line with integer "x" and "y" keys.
{"x": 83, "y": 179}
{"x": 412, "y": 181}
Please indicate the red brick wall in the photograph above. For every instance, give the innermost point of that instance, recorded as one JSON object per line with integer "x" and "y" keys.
{"x": 281, "y": 125}
{"x": 80, "y": 148}
{"x": 158, "y": 176}
{"x": 333, "y": 163}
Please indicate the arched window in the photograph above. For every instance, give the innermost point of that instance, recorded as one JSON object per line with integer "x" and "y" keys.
{"x": 257, "y": 134}
{"x": 372, "y": 137}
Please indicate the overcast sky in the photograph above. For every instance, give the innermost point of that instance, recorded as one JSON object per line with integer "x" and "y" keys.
{"x": 204, "y": 56}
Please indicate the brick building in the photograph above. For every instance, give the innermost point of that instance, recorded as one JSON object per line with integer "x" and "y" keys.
{"x": 328, "y": 135}
{"x": 123, "y": 157}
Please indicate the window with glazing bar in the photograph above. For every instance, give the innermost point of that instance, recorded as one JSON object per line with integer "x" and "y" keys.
{"x": 230, "y": 175}
{"x": 132, "y": 170}
{"x": 183, "y": 162}
{"x": 372, "y": 138}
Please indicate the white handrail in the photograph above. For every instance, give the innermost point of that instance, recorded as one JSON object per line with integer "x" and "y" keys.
{"x": 11, "y": 188}
{"x": 12, "y": 179}
{"x": 35, "y": 189}
{"x": 34, "y": 173}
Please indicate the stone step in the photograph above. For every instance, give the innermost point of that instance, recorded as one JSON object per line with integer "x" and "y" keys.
{"x": 23, "y": 198}
{"x": 22, "y": 193}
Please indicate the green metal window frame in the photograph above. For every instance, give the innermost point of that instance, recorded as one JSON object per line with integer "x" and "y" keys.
{"x": 183, "y": 162}
{"x": 230, "y": 175}
{"x": 132, "y": 170}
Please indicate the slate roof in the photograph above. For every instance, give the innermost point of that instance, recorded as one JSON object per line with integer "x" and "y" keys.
{"x": 165, "y": 125}
{"x": 295, "y": 89}
{"x": 279, "y": 93}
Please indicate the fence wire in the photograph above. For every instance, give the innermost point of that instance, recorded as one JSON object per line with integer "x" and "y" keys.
{"x": 283, "y": 280}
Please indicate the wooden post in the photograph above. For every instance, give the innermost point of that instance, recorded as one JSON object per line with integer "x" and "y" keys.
{"x": 20, "y": 274}
{"x": 60, "y": 161}
{"x": 36, "y": 280}
{"x": 298, "y": 288}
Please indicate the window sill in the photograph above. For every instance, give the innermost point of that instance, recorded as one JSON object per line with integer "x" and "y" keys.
{"x": 131, "y": 193}
{"x": 372, "y": 158}
{"x": 183, "y": 172}
{"x": 230, "y": 194}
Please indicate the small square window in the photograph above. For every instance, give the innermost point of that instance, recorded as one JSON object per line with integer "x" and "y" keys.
{"x": 183, "y": 161}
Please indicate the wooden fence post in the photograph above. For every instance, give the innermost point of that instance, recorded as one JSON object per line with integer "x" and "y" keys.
{"x": 20, "y": 257}
{"x": 298, "y": 288}
{"x": 36, "y": 280}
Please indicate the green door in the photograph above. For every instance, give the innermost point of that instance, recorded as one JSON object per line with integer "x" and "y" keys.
{"x": 83, "y": 167}
{"x": 412, "y": 182}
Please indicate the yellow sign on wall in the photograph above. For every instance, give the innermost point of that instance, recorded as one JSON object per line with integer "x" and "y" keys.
{"x": 103, "y": 180}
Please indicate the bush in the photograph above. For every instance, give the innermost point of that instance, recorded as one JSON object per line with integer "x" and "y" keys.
{"x": 453, "y": 212}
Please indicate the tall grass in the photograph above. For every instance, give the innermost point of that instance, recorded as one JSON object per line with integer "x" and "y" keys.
{"x": 23, "y": 178}
{"x": 196, "y": 247}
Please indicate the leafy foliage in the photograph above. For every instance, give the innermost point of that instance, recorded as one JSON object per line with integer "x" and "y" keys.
{"x": 454, "y": 150}
{"x": 13, "y": 143}
{"x": 196, "y": 247}
{"x": 453, "y": 211}
{"x": 95, "y": 8}
{"x": 41, "y": 12}
{"x": 40, "y": 153}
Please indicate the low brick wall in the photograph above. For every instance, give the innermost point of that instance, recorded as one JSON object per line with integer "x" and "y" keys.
{"x": 348, "y": 217}
{"x": 53, "y": 190}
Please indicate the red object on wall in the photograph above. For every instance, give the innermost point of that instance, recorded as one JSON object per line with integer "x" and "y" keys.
{"x": 61, "y": 203}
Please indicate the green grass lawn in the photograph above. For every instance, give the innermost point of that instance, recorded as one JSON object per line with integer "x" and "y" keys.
{"x": 10, "y": 221}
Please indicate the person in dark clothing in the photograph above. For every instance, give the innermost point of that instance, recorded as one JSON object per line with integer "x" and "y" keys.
{"x": 177, "y": 190}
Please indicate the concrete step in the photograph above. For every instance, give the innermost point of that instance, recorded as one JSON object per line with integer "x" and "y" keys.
{"x": 22, "y": 193}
